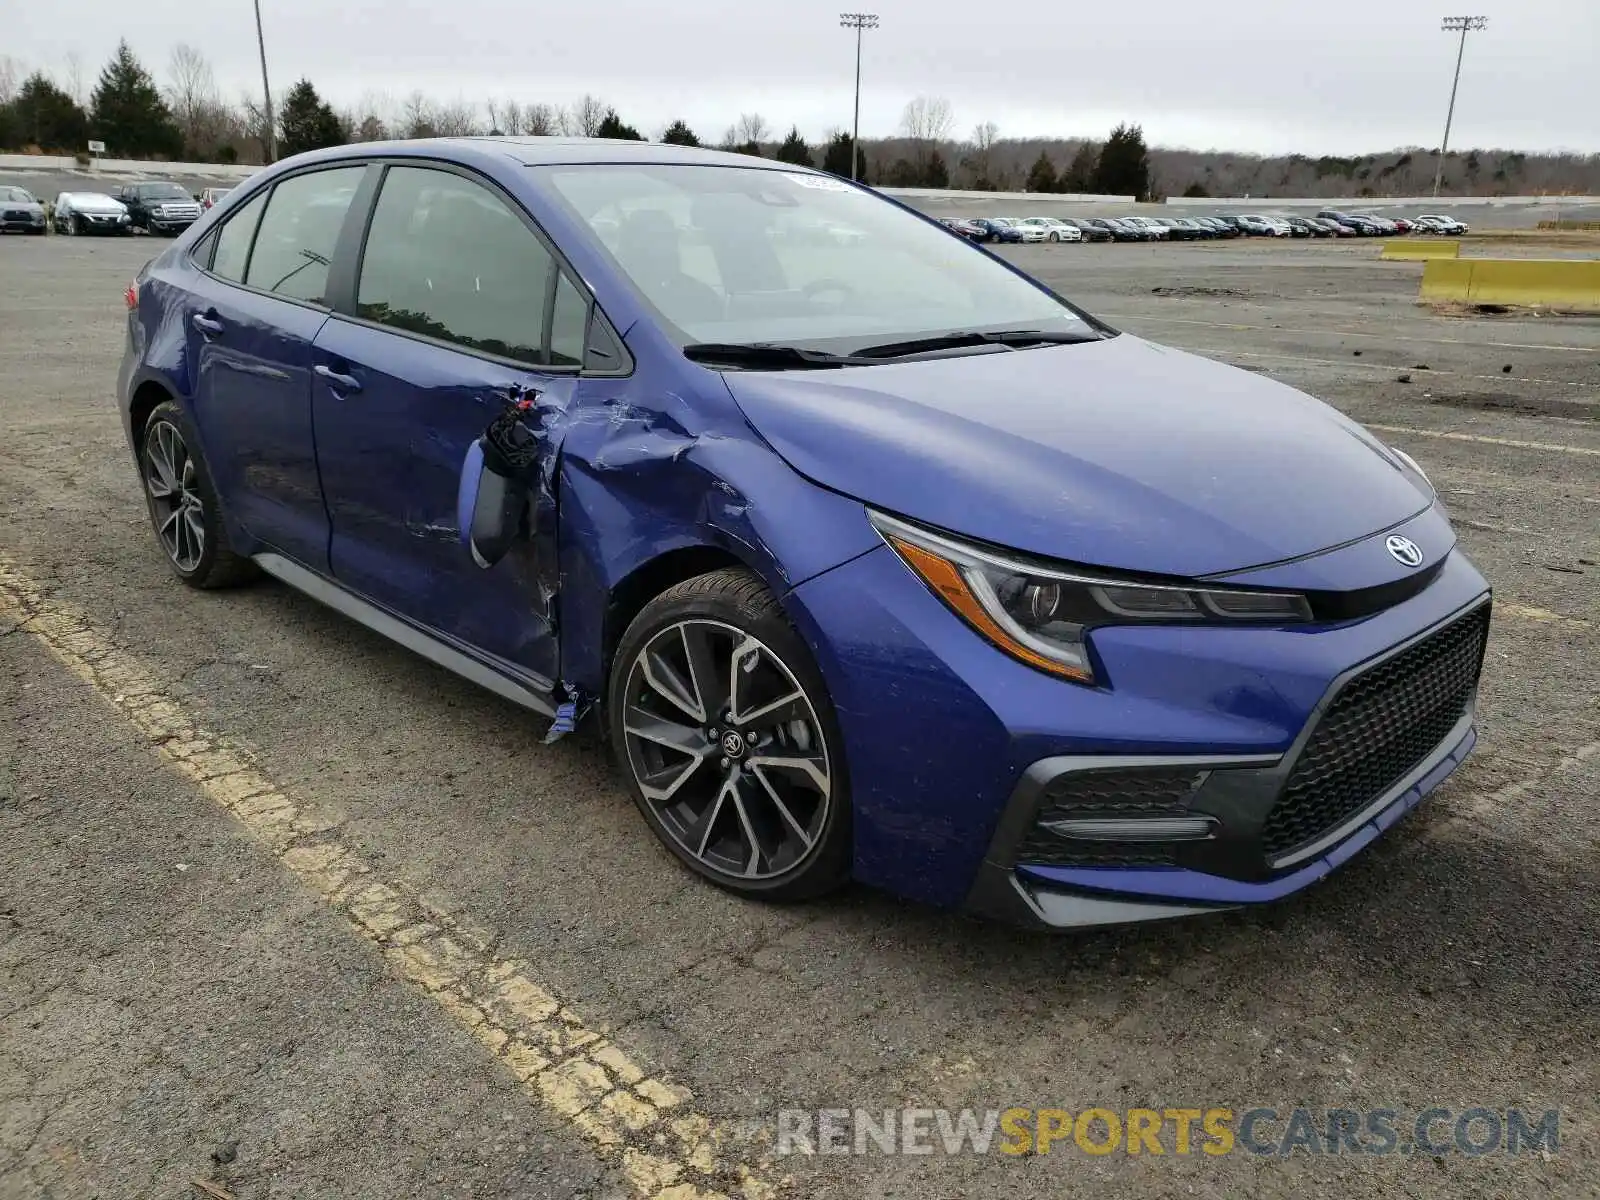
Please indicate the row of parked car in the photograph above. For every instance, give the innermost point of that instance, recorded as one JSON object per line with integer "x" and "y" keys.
{"x": 166, "y": 209}
{"x": 1329, "y": 223}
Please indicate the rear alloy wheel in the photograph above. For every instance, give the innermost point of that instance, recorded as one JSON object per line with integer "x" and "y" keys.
{"x": 723, "y": 728}
{"x": 183, "y": 504}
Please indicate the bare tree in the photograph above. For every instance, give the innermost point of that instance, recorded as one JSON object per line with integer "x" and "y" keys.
{"x": 505, "y": 116}
{"x": 980, "y": 162}
{"x": 459, "y": 119}
{"x": 191, "y": 93}
{"x": 586, "y": 116}
{"x": 927, "y": 120}
{"x": 11, "y": 71}
{"x": 541, "y": 120}
{"x": 417, "y": 117}
{"x": 73, "y": 79}
{"x": 751, "y": 127}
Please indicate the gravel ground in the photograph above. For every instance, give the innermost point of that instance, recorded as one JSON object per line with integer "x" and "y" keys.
{"x": 172, "y": 998}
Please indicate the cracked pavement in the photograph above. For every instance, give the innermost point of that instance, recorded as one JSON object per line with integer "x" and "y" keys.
{"x": 155, "y": 1016}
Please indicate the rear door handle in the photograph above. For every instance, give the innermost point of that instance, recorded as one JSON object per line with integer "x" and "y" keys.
{"x": 337, "y": 381}
{"x": 205, "y": 324}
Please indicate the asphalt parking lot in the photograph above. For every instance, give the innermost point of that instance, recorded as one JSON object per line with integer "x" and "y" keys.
{"x": 289, "y": 911}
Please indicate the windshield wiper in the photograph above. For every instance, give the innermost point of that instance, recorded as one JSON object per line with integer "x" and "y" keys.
{"x": 1013, "y": 338}
{"x": 768, "y": 356}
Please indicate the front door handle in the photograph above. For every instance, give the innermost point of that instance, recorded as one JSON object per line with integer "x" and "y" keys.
{"x": 336, "y": 380}
{"x": 206, "y": 325}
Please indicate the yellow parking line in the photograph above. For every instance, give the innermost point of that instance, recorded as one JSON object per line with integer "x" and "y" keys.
{"x": 641, "y": 1122}
{"x": 1553, "y": 447}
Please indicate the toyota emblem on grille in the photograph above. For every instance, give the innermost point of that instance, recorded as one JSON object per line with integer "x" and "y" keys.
{"x": 1404, "y": 551}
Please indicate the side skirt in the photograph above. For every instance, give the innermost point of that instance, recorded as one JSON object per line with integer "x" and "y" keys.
{"x": 529, "y": 692}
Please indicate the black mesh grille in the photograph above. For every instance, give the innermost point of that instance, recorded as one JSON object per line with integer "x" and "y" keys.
{"x": 1379, "y": 727}
{"x": 1154, "y": 792}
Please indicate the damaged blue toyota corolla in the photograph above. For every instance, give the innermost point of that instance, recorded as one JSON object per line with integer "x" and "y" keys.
{"x": 872, "y": 557}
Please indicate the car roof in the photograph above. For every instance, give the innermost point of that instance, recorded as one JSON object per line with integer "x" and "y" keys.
{"x": 546, "y": 151}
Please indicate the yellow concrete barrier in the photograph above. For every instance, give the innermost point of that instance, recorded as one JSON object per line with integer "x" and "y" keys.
{"x": 1412, "y": 249}
{"x": 1447, "y": 280}
{"x": 1565, "y": 283}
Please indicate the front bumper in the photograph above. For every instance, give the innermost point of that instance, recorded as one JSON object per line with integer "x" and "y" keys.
{"x": 943, "y": 733}
{"x": 22, "y": 220}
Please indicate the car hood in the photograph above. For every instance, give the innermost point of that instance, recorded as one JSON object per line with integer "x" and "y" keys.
{"x": 1118, "y": 453}
{"x": 97, "y": 206}
{"x": 24, "y": 205}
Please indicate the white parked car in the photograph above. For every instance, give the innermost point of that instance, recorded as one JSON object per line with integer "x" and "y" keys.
{"x": 90, "y": 212}
{"x": 1029, "y": 231}
{"x": 1157, "y": 230}
{"x": 1439, "y": 223}
{"x": 1055, "y": 231}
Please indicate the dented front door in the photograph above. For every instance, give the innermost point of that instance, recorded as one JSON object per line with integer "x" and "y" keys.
{"x": 394, "y": 419}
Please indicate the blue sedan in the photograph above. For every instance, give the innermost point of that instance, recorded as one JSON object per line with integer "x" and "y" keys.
{"x": 997, "y": 229}
{"x": 871, "y": 556}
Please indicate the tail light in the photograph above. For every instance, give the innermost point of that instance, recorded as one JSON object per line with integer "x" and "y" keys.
{"x": 131, "y": 296}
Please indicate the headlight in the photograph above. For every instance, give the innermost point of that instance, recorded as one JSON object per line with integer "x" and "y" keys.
{"x": 1041, "y": 615}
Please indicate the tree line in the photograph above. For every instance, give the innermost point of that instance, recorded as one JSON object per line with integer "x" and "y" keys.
{"x": 184, "y": 117}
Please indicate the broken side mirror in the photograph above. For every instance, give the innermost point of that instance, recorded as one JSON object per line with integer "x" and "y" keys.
{"x": 490, "y": 506}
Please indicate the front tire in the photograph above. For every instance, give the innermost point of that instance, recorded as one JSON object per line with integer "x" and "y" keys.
{"x": 183, "y": 504}
{"x": 723, "y": 729}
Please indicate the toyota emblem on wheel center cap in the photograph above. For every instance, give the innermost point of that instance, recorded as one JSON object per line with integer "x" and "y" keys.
{"x": 733, "y": 744}
{"x": 1404, "y": 551}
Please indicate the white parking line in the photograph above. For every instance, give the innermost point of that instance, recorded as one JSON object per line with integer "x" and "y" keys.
{"x": 1389, "y": 368}
{"x": 1375, "y": 335}
{"x": 1517, "y": 443}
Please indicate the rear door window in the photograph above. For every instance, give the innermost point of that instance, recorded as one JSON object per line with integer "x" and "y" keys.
{"x": 232, "y": 255}
{"x": 295, "y": 241}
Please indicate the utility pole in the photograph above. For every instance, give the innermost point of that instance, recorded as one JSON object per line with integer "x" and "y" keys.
{"x": 1451, "y": 25}
{"x": 859, "y": 21}
{"x": 266, "y": 92}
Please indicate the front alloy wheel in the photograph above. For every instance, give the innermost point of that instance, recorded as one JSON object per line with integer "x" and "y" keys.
{"x": 723, "y": 728}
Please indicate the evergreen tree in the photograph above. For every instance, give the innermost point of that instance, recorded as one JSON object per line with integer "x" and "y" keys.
{"x": 679, "y": 134}
{"x": 794, "y": 149}
{"x": 1124, "y": 166}
{"x": 1196, "y": 191}
{"x": 308, "y": 122}
{"x": 935, "y": 174}
{"x": 611, "y": 126}
{"x": 1079, "y": 176}
{"x": 752, "y": 147}
{"x": 1042, "y": 175}
{"x": 128, "y": 112}
{"x": 45, "y": 116}
{"x": 903, "y": 173}
{"x": 836, "y": 158}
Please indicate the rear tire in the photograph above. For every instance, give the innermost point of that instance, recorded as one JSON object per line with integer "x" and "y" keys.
{"x": 722, "y": 726}
{"x": 184, "y": 508}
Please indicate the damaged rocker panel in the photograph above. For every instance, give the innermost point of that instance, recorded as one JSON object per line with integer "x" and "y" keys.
{"x": 532, "y": 694}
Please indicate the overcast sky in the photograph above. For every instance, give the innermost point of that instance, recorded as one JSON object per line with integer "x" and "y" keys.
{"x": 1317, "y": 76}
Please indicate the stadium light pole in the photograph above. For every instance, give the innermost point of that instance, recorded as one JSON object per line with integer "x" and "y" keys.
{"x": 266, "y": 91}
{"x": 860, "y": 22}
{"x": 1452, "y": 25}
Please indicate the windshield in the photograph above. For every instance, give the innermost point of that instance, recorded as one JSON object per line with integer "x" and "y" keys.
{"x": 742, "y": 255}
{"x": 16, "y": 195}
{"x": 163, "y": 191}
